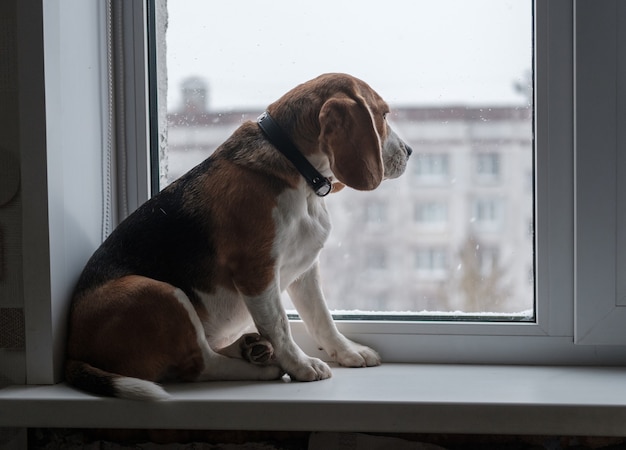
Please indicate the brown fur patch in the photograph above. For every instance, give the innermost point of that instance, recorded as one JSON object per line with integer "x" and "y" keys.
{"x": 247, "y": 230}
{"x": 239, "y": 206}
{"x": 135, "y": 326}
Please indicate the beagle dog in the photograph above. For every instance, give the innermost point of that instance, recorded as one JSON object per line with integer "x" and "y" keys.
{"x": 188, "y": 287}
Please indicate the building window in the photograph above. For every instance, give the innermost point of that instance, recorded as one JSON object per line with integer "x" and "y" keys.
{"x": 432, "y": 167}
{"x": 487, "y": 167}
{"x": 487, "y": 259}
{"x": 431, "y": 213}
{"x": 432, "y": 262}
{"x": 376, "y": 259}
{"x": 487, "y": 214}
{"x": 375, "y": 212}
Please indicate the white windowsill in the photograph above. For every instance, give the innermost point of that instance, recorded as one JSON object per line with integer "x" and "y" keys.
{"x": 390, "y": 398}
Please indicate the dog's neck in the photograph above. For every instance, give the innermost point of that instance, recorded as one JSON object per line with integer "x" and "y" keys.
{"x": 321, "y": 185}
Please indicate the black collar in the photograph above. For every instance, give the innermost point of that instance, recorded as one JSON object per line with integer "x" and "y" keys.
{"x": 320, "y": 184}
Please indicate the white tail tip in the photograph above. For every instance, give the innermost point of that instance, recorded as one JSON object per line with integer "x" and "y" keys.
{"x": 138, "y": 389}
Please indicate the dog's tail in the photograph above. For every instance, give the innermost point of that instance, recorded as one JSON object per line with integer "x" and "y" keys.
{"x": 97, "y": 381}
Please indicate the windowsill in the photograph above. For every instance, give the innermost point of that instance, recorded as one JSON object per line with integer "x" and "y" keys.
{"x": 391, "y": 398}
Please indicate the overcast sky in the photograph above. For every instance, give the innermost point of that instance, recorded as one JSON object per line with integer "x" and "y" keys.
{"x": 424, "y": 52}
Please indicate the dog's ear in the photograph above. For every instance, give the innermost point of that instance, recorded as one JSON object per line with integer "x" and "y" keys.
{"x": 350, "y": 140}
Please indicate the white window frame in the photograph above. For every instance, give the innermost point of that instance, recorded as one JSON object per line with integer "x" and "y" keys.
{"x": 576, "y": 262}
{"x": 600, "y": 114}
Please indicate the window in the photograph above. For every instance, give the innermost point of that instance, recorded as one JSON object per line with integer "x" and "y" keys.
{"x": 577, "y": 271}
{"x": 431, "y": 214}
{"x": 375, "y": 212}
{"x": 487, "y": 214}
{"x": 487, "y": 166}
{"x": 452, "y": 133}
{"x": 431, "y": 168}
{"x": 488, "y": 260}
{"x": 432, "y": 263}
{"x": 376, "y": 259}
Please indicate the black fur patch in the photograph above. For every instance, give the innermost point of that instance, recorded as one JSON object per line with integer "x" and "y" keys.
{"x": 90, "y": 379}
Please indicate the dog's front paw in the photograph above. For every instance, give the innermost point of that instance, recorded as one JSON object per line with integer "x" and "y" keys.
{"x": 309, "y": 369}
{"x": 355, "y": 355}
{"x": 256, "y": 349}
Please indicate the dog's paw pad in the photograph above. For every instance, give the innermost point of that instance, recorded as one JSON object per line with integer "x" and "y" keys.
{"x": 256, "y": 349}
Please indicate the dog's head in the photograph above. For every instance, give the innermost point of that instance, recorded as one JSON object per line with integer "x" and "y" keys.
{"x": 341, "y": 119}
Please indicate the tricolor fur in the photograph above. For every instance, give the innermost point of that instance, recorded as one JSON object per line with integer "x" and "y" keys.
{"x": 188, "y": 287}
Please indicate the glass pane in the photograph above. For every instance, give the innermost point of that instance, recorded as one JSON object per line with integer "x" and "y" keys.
{"x": 451, "y": 237}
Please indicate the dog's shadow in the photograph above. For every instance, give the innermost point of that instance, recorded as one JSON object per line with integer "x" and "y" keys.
{"x": 244, "y": 390}
{"x": 210, "y": 388}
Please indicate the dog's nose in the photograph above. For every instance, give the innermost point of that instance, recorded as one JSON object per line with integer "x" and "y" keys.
{"x": 409, "y": 150}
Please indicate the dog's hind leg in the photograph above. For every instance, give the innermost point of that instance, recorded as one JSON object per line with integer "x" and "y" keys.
{"x": 227, "y": 364}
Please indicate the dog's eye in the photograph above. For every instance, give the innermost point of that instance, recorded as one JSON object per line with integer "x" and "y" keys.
{"x": 385, "y": 116}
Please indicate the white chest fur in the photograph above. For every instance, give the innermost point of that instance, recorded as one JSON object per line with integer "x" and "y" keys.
{"x": 302, "y": 227}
